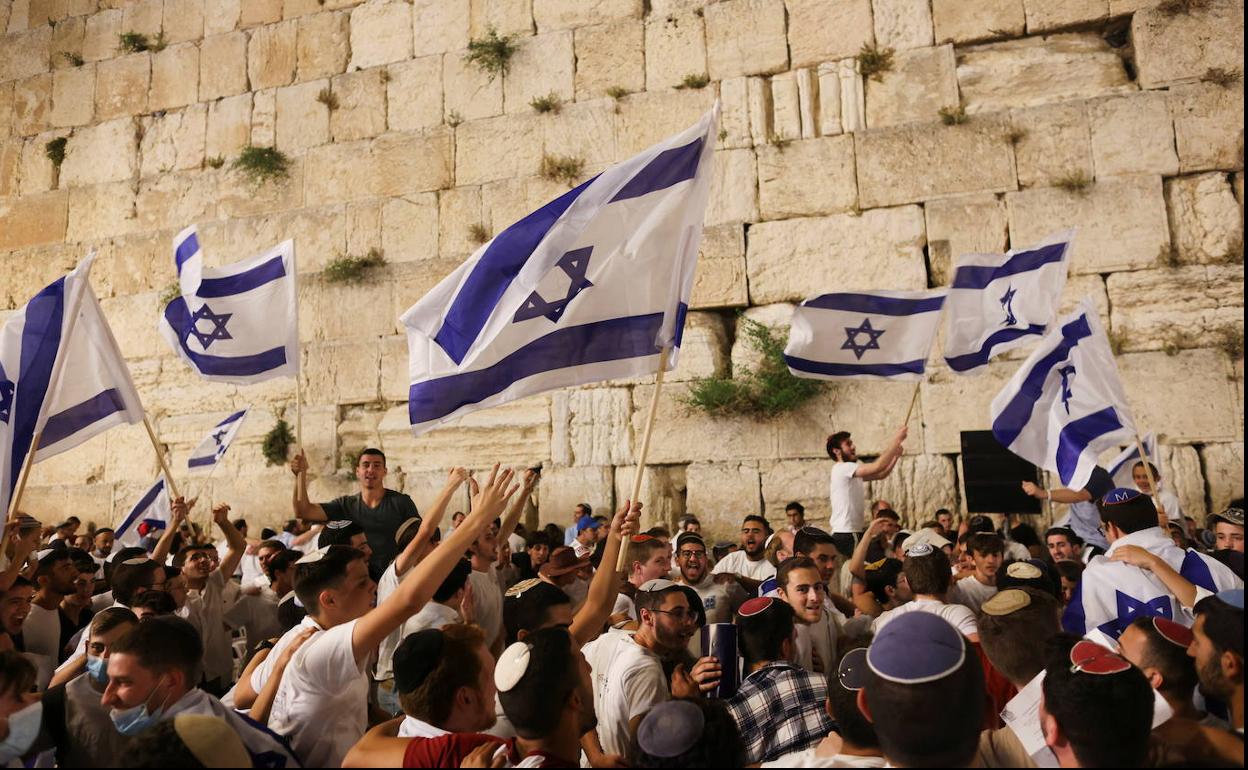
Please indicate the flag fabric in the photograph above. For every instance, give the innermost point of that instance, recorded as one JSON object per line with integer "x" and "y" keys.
{"x": 998, "y": 302}
{"x": 62, "y": 377}
{"x": 1065, "y": 405}
{"x": 238, "y": 323}
{"x": 147, "y": 520}
{"x": 214, "y": 446}
{"x": 885, "y": 335}
{"x": 592, "y": 286}
{"x": 1120, "y": 468}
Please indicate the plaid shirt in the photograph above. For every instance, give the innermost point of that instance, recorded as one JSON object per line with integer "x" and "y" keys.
{"x": 779, "y": 709}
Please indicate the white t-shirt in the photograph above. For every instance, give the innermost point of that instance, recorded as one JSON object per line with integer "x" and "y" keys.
{"x": 808, "y": 758}
{"x": 322, "y": 703}
{"x": 42, "y": 632}
{"x": 625, "y": 605}
{"x": 631, "y": 682}
{"x": 737, "y": 563}
{"x": 385, "y": 651}
{"x": 715, "y": 600}
{"x": 411, "y": 727}
{"x": 971, "y": 593}
{"x": 257, "y": 616}
{"x": 849, "y": 499}
{"x": 208, "y": 604}
{"x": 432, "y": 615}
{"x": 487, "y": 599}
{"x": 956, "y": 615}
{"x": 819, "y": 637}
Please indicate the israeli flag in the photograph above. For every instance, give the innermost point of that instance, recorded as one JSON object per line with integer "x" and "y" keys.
{"x": 62, "y": 377}
{"x": 998, "y": 302}
{"x": 1065, "y": 405}
{"x": 879, "y": 335}
{"x": 147, "y": 520}
{"x": 592, "y": 286}
{"x": 1120, "y": 467}
{"x": 238, "y": 323}
{"x": 213, "y": 447}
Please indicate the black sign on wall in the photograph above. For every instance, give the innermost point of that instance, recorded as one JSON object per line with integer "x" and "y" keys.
{"x": 993, "y": 476}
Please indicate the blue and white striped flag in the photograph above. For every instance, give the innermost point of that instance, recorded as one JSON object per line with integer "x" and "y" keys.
{"x": 147, "y": 520}
{"x": 590, "y": 287}
{"x": 1120, "y": 467}
{"x": 998, "y": 302}
{"x": 1065, "y": 405}
{"x": 884, "y": 335}
{"x": 213, "y": 447}
{"x": 62, "y": 377}
{"x": 238, "y": 323}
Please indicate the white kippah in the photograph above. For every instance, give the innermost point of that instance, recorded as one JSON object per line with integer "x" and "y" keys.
{"x": 511, "y": 666}
{"x": 1023, "y": 570}
{"x": 922, "y": 549}
{"x": 311, "y": 557}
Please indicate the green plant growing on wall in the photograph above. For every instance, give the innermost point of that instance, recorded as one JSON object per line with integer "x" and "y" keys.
{"x": 328, "y": 98}
{"x": 953, "y": 116}
{"x": 215, "y": 162}
{"x": 55, "y": 150}
{"x": 351, "y": 458}
{"x": 561, "y": 168}
{"x": 262, "y": 164}
{"x": 1075, "y": 182}
{"x": 169, "y": 294}
{"x": 492, "y": 53}
{"x": 277, "y": 443}
{"x": 73, "y": 58}
{"x": 454, "y": 119}
{"x": 765, "y": 391}
{"x": 695, "y": 80}
{"x": 478, "y": 233}
{"x": 134, "y": 42}
{"x": 351, "y": 269}
{"x": 617, "y": 92}
{"x": 1222, "y": 77}
{"x": 874, "y": 61}
{"x": 550, "y": 103}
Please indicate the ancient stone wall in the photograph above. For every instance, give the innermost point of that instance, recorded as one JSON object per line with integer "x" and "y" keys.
{"x": 1122, "y": 118}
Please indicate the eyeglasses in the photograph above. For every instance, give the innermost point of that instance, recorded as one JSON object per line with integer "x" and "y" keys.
{"x": 692, "y": 554}
{"x": 680, "y": 614}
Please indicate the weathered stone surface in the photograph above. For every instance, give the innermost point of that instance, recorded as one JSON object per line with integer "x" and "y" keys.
{"x": 951, "y": 403}
{"x": 1119, "y": 222}
{"x": 169, "y": 201}
{"x": 1224, "y": 473}
{"x": 1180, "y": 470}
{"x": 820, "y": 30}
{"x": 1045, "y": 15}
{"x": 411, "y": 162}
{"x": 322, "y": 45}
{"x": 493, "y": 149}
{"x": 23, "y": 54}
{"x": 807, "y": 177}
{"x": 183, "y": 20}
{"x": 221, "y": 16}
{"x": 719, "y": 280}
{"x": 105, "y": 152}
{"x": 1184, "y": 307}
{"x": 789, "y": 260}
{"x": 961, "y": 22}
{"x": 584, "y": 130}
{"x": 242, "y": 197}
{"x": 775, "y": 317}
{"x": 610, "y": 56}
{"x": 32, "y": 103}
{"x": 1039, "y": 70}
{"x": 10, "y": 163}
{"x": 872, "y": 411}
{"x": 143, "y": 17}
{"x": 786, "y": 109}
{"x": 6, "y": 109}
{"x": 918, "y": 487}
{"x": 229, "y": 126}
{"x": 675, "y": 47}
{"x": 121, "y": 86}
{"x": 35, "y": 167}
{"x": 347, "y": 311}
{"x": 414, "y": 94}
{"x": 509, "y": 17}
{"x": 703, "y": 350}
{"x": 469, "y": 93}
{"x": 1204, "y": 219}
{"x": 591, "y": 426}
{"x": 175, "y": 77}
{"x": 344, "y": 371}
{"x": 409, "y": 228}
{"x": 972, "y": 224}
{"x": 361, "y": 110}
{"x": 99, "y": 40}
{"x": 1207, "y": 127}
{"x": 516, "y": 434}
{"x": 902, "y": 24}
{"x": 67, "y": 37}
{"x": 380, "y": 33}
{"x": 887, "y": 160}
{"x": 173, "y": 141}
{"x": 302, "y": 120}
{"x": 1054, "y": 143}
{"x": 920, "y": 84}
{"x": 33, "y": 219}
{"x": 645, "y": 119}
{"x": 543, "y": 65}
{"x": 745, "y": 37}
{"x": 662, "y": 493}
{"x": 690, "y": 434}
{"x": 100, "y": 211}
{"x": 804, "y": 481}
{"x": 73, "y": 96}
{"x": 1180, "y": 47}
{"x": 1132, "y": 135}
{"x": 562, "y": 488}
{"x": 223, "y": 65}
{"x": 1156, "y": 382}
{"x": 567, "y": 14}
{"x": 722, "y": 494}
{"x": 734, "y": 188}
{"x": 439, "y": 26}
{"x": 271, "y": 55}
{"x": 128, "y": 455}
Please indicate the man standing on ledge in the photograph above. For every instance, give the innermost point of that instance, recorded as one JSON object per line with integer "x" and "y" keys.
{"x": 848, "y": 491}
{"x": 378, "y": 510}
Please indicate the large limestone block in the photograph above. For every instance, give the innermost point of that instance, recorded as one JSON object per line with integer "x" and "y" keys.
{"x": 745, "y": 37}
{"x": 495, "y": 148}
{"x": 703, "y": 349}
{"x": 719, "y": 280}
{"x": 169, "y": 386}
{"x": 99, "y": 40}
{"x": 264, "y": 118}
{"x": 561, "y": 489}
{"x": 786, "y": 108}
{"x": 82, "y": 466}
{"x": 105, "y": 152}
{"x": 807, "y": 177}
{"x": 67, "y": 37}
{"x": 361, "y": 110}
{"x": 439, "y": 26}
{"x": 10, "y": 163}
{"x": 871, "y": 411}
{"x": 971, "y": 224}
{"x": 957, "y": 21}
{"x": 921, "y": 83}
{"x": 1054, "y": 143}
{"x": 1045, "y": 15}
{"x": 48, "y": 503}
{"x": 229, "y": 126}
{"x": 342, "y": 371}
{"x": 1181, "y": 473}
{"x": 130, "y": 318}
{"x": 73, "y": 96}
{"x": 322, "y": 45}
{"x": 662, "y": 493}
{"x": 35, "y": 167}
{"x": 683, "y": 433}
{"x": 568, "y": 14}
{"x": 272, "y": 55}
{"x": 221, "y": 15}
{"x": 135, "y": 263}
{"x": 23, "y": 54}
{"x": 1185, "y": 307}
{"x": 508, "y": 17}
{"x": 675, "y": 47}
{"x": 734, "y": 188}
{"x": 414, "y": 94}
{"x": 1121, "y": 222}
{"x": 1180, "y": 47}
{"x": 1039, "y": 70}
{"x": 542, "y": 65}
{"x": 793, "y": 259}
{"x": 223, "y": 65}
{"x": 240, "y": 197}
{"x": 459, "y": 208}
{"x": 381, "y": 32}
{"x": 1204, "y": 219}
{"x": 651, "y": 117}
{"x": 175, "y": 77}
{"x": 513, "y": 434}
{"x": 1132, "y": 135}
{"x": 346, "y": 311}
{"x": 183, "y": 20}
{"x": 586, "y": 130}
{"x": 904, "y": 165}
{"x": 128, "y": 455}
{"x": 952, "y": 403}
{"x": 820, "y": 30}
{"x": 1156, "y": 383}
{"x": 173, "y": 141}
{"x": 1208, "y": 126}
{"x": 143, "y": 17}
{"x": 1224, "y": 473}
{"x": 32, "y": 103}
{"x": 610, "y": 56}
{"x": 409, "y": 228}
{"x": 918, "y": 487}
{"x": 591, "y": 426}
{"x": 412, "y": 162}
{"x": 802, "y": 481}
{"x": 469, "y": 93}
{"x": 902, "y": 24}
{"x": 170, "y": 201}
{"x": 102, "y": 210}
{"x": 6, "y": 110}
{"x": 722, "y": 494}
{"x": 413, "y": 280}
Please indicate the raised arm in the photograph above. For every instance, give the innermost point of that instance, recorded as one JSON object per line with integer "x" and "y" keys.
{"x": 1182, "y": 588}
{"x": 593, "y": 614}
{"x": 415, "y": 550}
{"x": 884, "y": 464}
{"x": 234, "y": 540}
{"x": 858, "y": 560}
{"x": 23, "y": 547}
{"x": 418, "y": 587}
{"x": 512, "y": 518}
{"x": 1059, "y": 495}
{"x": 302, "y": 506}
{"x": 180, "y": 510}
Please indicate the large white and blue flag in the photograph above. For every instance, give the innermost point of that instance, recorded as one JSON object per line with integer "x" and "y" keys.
{"x": 62, "y": 377}
{"x": 998, "y": 302}
{"x": 147, "y": 520}
{"x": 1065, "y": 405}
{"x": 1120, "y": 467}
{"x": 238, "y": 323}
{"x": 865, "y": 335}
{"x": 213, "y": 447}
{"x": 592, "y": 286}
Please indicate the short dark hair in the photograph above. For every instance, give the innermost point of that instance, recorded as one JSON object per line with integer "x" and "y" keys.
{"x": 789, "y": 565}
{"x": 458, "y": 666}
{"x": 808, "y": 539}
{"x": 883, "y": 577}
{"x": 1224, "y": 625}
{"x": 340, "y": 535}
{"x": 834, "y": 442}
{"x": 371, "y": 451}
{"x": 1069, "y": 569}
{"x": 454, "y": 581}
{"x": 945, "y": 511}
{"x": 658, "y": 531}
{"x": 156, "y": 603}
{"x": 651, "y": 600}
{"x": 850, "y": 721}
{"x": 50, "y": 562}
{"x": 103, "y": 530}
{"x": 1107, "y": 718}
{"x": 1016, "y": 643}
{"x": 1136, "y": 514}
{"x": 640, "y": 551}
{"x": 110, "y": 618}
{"x": 1151, "y": 467}
{"x": 535, "y": 539}
{"x": 162, "y": 643}
{"x": 986, "y": 544}
{"x": 795, "y": 506}
{"x": 1065, "y": 532}
{"x": 927, "y": 574}
{"x": 1178, "y": 669}
{"x": 276, "y": 545}
{"x": 281, "y": 562}
{"x": 534, "y": 704}
{"x": 760, "y": 519}
{"x": 588, "y": 510}
{"x": 762, "y": 634}
{"x": 327, "y": 572}
{"x": 127, "y": 579}
{"x": 530, "y": 610}
{"x": 17, "y": 674}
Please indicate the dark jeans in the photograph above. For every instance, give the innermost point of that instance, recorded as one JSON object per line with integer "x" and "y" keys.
{"x": 845, "y": 542}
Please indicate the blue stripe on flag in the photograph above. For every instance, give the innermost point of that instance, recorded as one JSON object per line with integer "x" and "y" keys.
{"x": 202, "y": 462}
{"x": 968, "y": 361}
{"x": 978, "y": 277}
{"x": 1017, "y": 413}
{"x": 41, "y": 339}
{"x": 140, "y": 507}
{"x": 1073, "y": 439}
{"x": 266, "y": 272}
{"x": 179, "y": 318}
{"x": 79, "y": 416}
{"x": 499, "y": 265}
{"x": 668, "y": 168}
{"x": 849, "y": 370}
{"x": 1074, "y": 620}
{"x": 1197, "y": 572}
{"x": 185, "y": 250}
{"x": 591, "y": 343}
{"x": 231, "y": 418}
{"x": 870, "y": 303}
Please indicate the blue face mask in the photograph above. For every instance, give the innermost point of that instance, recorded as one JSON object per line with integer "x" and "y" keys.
{"x": 24, "y": 728}
{"x": 133, "y": 721}
{"x": 97, "y": 669}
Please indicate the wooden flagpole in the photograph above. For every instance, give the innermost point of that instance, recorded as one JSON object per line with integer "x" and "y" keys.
{"x": 21, "y": 479}
{"x": 1148, "y": 469}
{"x": 160, "y": 457}
{"x": 622, "y": 561}
{"x": 913, "y": 400}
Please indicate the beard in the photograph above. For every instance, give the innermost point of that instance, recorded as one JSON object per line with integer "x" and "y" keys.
{"x": 1212, "y": 681}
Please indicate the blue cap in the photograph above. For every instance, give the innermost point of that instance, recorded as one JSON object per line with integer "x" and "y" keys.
{"x": 916, "y": 647}
{"x": 587, "y": 522}
{"x": 1233, "y": 597}
{"x": 671, "y": 729}
{"x": 1121, "y": 495}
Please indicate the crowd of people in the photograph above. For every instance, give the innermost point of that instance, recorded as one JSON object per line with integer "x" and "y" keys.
{"x": 368, "y": 634}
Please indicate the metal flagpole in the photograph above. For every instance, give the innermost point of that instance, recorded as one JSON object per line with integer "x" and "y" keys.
{"x": 622, "y": 561}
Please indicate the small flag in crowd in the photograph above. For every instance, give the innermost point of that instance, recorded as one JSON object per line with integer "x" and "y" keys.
{"x": 874, "y": 335}
{"x": 1120, "y": 467}
{"x": 62, "y": 377}
{"x": 147, "y": 520}
{"x": 238, "y": 323}
{"x": 592, "y": 286}
{"x": 1065, "y": 405}
{"x": 213, "y": 447}
{"x": 998, "y": 302}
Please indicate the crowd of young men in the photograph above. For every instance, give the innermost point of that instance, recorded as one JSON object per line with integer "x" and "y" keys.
{"x": 366, "y": 635}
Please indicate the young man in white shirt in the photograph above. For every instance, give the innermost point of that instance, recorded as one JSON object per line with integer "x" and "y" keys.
{"x": 54, "y": 578}
{"x": 206, "y": 601}
{"x": 749, "y": 565}
{"x": 927, "y": 573}
{"x": 800, "y": 584}
{"x": 717, "y": 599}
{"x": 987, "y": 552}
{"x": 848, "y": 491}
{"x": 1167, "y": 501}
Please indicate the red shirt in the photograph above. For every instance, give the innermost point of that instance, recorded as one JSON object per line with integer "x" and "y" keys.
{"x": 451, "y": 749}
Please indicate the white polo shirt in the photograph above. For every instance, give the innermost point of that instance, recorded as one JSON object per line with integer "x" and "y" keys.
{"x": 738, "y": 563}
{"x": 629, "y": 681}
{"x": 955, "y": 615}
{"x": 848, "y": 496}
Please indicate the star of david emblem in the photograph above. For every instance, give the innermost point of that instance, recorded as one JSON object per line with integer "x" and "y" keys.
{"x": 1007, "y": 303}
{"x": 851, "y": 338}
{"x": 1068, "y": 374}
{"x": 1129, "y": 608}
{"x": 218, "y": 322}
{"x": 574, "y": 264}
{"x": 7, "y": 387}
